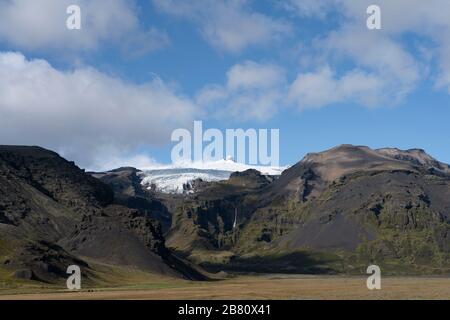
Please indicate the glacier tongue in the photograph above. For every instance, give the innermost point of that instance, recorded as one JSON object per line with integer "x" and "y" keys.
{"x": 173, "y": 178}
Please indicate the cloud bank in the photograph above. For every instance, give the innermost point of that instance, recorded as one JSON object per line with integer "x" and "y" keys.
{"x": 40, "y": 25}
{"x": 253, "y": 91}
{"x": 86, "y": 115}
{"x": 347, "y": 63}
{"x": 228, "y": 25}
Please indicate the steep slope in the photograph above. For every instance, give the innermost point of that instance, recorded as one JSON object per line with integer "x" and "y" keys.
{"x": 207, "y": 220}
{"x": 37, "y": 185}
{"x": 130, "y": 192}
{"x": 53, "y": 214}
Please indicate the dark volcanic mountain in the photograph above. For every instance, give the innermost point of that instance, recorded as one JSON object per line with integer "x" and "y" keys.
{"x": 335, "y": 211}
{"x": 52, "y": 215}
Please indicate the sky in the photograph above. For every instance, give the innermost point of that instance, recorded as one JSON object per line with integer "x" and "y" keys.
{"x": 111, "y": 93}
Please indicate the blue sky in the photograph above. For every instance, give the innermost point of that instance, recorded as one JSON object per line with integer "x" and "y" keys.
{"x": 112, "y": 92}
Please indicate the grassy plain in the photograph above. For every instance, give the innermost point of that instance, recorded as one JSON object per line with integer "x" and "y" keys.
{"x": 297, "y": 287}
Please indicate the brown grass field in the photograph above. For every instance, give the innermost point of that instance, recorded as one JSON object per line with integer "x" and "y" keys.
{"x": 272, "y": 287}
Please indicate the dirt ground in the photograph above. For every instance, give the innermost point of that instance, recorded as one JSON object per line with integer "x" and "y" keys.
{"x": 266, "y": 287}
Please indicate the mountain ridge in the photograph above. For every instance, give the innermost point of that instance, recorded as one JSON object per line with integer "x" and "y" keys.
{"x": 47, "y": 206}
{"x": 333, "y": 212}
{"x": 351, "y": 202}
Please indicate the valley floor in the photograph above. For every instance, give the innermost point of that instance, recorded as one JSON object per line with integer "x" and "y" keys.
{"x": 261, "y": 287}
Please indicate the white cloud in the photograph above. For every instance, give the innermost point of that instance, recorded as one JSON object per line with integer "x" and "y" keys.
{"x": 385, "y": 53}
{"x": 320, "y": 88}
{"x": 228, "y": 25}
{"x": 41, "y": 25}
{"x": 136, "y": 161}
{"x": 380, "y": 73}
{"x": 443, "y": 78}
{"x": 86, "y": 115}
{"x": 308, "y": 8}
{"x": 252, "y": 75}
{"x": 348, "y": 64}
{"x": 253, "y": 91}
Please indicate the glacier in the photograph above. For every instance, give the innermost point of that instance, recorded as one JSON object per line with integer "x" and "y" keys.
{"x": 173, "y": 178}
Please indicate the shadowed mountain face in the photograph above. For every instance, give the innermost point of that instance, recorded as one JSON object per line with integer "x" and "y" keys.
{"x": 52, "y": 215}
{"x": 129, "y": 192}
